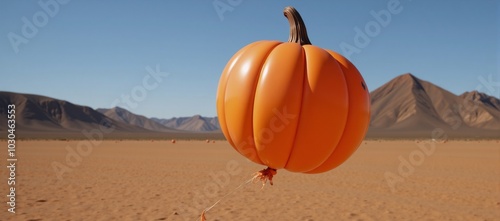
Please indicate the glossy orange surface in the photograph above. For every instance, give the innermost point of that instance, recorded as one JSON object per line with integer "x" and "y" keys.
{"x": 291, "y": 106}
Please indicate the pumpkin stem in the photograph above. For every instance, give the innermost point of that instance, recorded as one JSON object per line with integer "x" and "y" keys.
{"x": 298, "y": 32}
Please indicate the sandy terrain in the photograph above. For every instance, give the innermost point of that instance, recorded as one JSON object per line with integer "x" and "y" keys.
{"x": 145, "y": 180}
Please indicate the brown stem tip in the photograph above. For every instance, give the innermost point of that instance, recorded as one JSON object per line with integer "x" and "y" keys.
{"x": 298, "y": 32}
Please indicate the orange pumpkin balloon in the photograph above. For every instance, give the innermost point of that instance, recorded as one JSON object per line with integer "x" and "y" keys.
{"x": 293, "y": 105}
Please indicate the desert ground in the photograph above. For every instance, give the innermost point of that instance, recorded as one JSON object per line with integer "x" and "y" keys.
{"x": 159, "y": 180}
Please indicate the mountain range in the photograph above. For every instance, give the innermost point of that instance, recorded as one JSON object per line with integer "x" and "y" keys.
{"x": 195, "y": 123}
{"x": 408, "y": 106}
{"x": 44, "y": 117}
{"x": 403, "y": 107}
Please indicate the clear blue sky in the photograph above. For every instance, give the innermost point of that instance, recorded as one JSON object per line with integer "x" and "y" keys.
{"x": 93, "y": 52}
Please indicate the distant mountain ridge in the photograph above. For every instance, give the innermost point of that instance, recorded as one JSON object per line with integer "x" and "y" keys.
{"x": 409, "y": 104}
{"x": 482, "y": 98}
{"x": 121, "y": 115}
{"x": 194, "y": 123}
{"x": 40, "y": 113}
